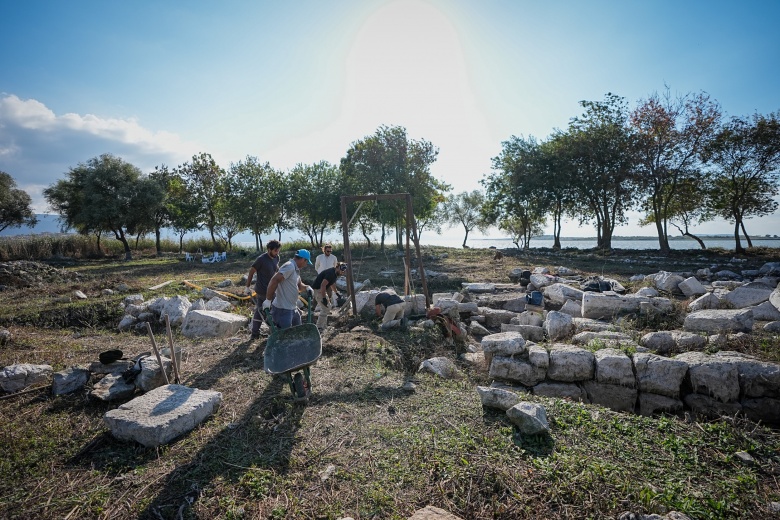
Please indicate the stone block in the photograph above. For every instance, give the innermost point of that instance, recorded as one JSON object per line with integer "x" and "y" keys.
{"x": 615, "y": 397}
{"x": 561, "y": 390}
{"x": 713, "y": 321}
{"x": 569, "y": 363}
{"x": 161, "y": 415}
{"x": 659, "y": 375}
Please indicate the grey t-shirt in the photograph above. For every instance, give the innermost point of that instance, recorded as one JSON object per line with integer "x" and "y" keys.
{"x": 286, "y": 296}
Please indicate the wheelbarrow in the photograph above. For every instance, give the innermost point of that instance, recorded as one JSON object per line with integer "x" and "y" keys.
{"x": 293, "y": 350}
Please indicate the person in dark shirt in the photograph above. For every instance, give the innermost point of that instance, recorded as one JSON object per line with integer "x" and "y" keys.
{"x": 325, "y": 291}
{"x": 265, "y": 266}
{"x": 394, "y": 307}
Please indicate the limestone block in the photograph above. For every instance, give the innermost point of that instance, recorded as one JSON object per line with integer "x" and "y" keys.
{"x": 136, "y": 309}
{"x": 503, "y": 344}
{"x": 499, "y": 398}
{"x": 772, "y": 326}
{"x": 569, "y": 363}
{"x": 133, "y": 299}
{"x": 583, "y": 324}
{"x": 714, "y": 321}
{"x": 479, "y": 287}
{"x": 176, "y": 307}
{"x": 495, "y": 317}
{"x": 542, "y": 280}
{"x": 651, "y": 404}
{"x": 217, "y": 304}
{"x": 518, "y": 370}
{"x": 648, "y": 292}
{"x": 20, "y": 376}
{"x": 441, "y": 366}
{"x": 212, "y": 324}
{"x": 614, "y": 367}
{"x": 608, "y": 337}
{"x": 112, "y": 387}
{"x": 748, "y": 295}
{"x": 538, "y": 356}
{"x": 468, "y": 308}
{"x": 69, "y": 380}
{"x": 560, "y": 293}
{"x": 151, "y": 375}
{"x": 660, "y": 341}
{"x": 530, "y": 418}
{"x": 161, "y": 415}
{"x": 127, "y": 322}
{"x": 615, "y": 397}
{"x": 429, "y": 512}
{"x": 707, "y": 301}
{"x": 756, "y": 378}
{"x": 765, "y": 312}
{"x": 713, "y": 376}
{"x": 688, "y": 340}
{"x": 710, "y": 407}
{"x": 528, "y": 318}
{"x": 691, "y": 287}
{"x": 774, "y": 298}
{"x": 607, "y": 306}
{"x": 572, "y": 309}
{"x": 475, "y": 329}
{"x": 529, "y": 332}
{"x": 561, "y": 390}
{"x": 764, "y": 409}
{"x": 668, "y": 282}
{"x": 659, "y": 375}
{"x": 558, "y": 325}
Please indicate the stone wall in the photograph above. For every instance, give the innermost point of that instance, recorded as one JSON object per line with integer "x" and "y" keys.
{"x": 725, "y": 383}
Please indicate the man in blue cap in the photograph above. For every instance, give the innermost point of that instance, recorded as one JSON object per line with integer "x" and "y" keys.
{"x": 283, "y": 289}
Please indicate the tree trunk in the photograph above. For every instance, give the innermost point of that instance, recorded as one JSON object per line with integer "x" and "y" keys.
{"x": 738, "y": 248}
{"x": 557, "y": 229}
{"x": 258, "y": 242}
{"x": 157, "y": 245}
{"x": 747, "y": 237}
{"x": 466, "y": 238}
{"x": 120, "y": 235}
{"x": 699, "y": 240}
{"x": 663, "y": 240}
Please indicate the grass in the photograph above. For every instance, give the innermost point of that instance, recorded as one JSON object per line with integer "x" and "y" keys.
{"x": 362, "y": 447}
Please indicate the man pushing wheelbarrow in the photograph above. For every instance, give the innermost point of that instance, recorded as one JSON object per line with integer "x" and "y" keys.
{"x": 292, "y": 346}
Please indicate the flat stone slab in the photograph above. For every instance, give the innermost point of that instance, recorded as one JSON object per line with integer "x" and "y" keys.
{"x": 161, "y": 415}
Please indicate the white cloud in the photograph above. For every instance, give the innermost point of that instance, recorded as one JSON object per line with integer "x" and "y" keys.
{"x": 37, "y": 147}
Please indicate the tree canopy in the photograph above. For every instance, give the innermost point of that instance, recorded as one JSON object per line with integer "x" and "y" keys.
{"x": 105, "y": 194}
{"x": 15, "y": 204}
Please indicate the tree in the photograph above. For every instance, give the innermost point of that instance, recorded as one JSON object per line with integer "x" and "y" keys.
{"x": 15, "y": 205}
{"x": 249, "y": 186}
{"x": 389, "y": 162}
{"x": 162, "y": 217}
{"x": 105, "y": 194}
{"x": 599, "y": 148}
{"x": 203, "y": 176}
{"x": 745, "y": 157}
{"x": 671, "y": 134}
{"x": 182, "y": 208}
{"x": 524, "y": 189}
{"x": 689, "y": 207}
{"x": 316, "y": 199}
{"x": 466, "y": 209}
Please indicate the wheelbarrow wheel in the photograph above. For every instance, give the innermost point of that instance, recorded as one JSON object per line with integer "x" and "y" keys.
{"x": 300, "y": 387}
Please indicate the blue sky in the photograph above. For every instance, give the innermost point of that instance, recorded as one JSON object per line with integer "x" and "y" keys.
{"x": 298, "y": 82}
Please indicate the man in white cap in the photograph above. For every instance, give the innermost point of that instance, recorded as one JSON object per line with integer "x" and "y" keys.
{"x": 283, "y": 289}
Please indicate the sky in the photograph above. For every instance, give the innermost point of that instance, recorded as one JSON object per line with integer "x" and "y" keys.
{"x": 298, "y": 82}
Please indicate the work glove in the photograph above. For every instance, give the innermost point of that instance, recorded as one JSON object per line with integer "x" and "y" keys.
{"x": 324, "y": 301}
{"x": 266, "y": 304}
{"x": 248, "y": 291}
